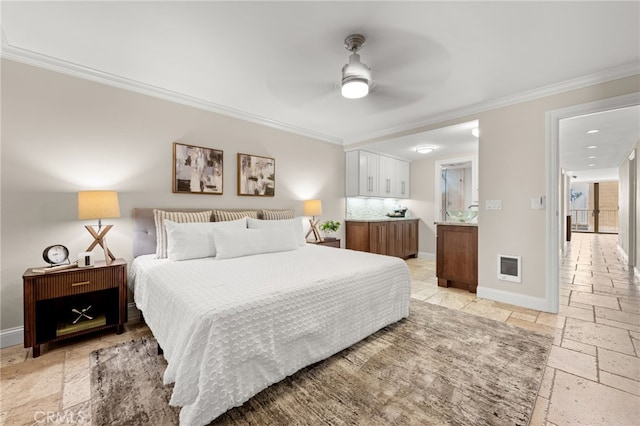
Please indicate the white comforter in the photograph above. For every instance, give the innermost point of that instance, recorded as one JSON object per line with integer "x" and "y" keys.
{"x": 230, "y": 328}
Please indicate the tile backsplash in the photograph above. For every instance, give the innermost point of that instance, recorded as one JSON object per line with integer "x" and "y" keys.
{"x": 370, "y": 208}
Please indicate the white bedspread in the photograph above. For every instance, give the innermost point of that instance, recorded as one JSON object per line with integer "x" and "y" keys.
{"x": 230, "y": 328}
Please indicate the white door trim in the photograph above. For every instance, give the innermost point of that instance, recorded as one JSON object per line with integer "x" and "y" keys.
{"x": 553, "y": 237}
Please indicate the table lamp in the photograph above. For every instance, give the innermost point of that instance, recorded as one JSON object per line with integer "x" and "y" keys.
{"x": 313, "y": 208}
{"x": 99, "y": 205}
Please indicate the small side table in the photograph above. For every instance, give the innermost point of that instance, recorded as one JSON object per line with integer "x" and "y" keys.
{"x": 53, "y": 302}
{"x": 330, "y": 243}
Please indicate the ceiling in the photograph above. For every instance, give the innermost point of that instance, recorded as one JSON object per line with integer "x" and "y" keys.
{"x": 279, "y": 63}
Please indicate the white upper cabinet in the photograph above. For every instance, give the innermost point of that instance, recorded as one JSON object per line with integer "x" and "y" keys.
{"x": 403, "y": 173}
{"x": 374, "y": 175}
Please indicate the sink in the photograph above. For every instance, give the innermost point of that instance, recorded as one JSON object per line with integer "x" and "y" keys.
{"x": 462, "y": 215}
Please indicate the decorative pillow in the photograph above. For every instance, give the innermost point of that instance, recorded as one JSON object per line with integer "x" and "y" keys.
{"x": 294, "y": 224}
{"x": 225, "y": 215}
{"x": 195, "y": 240}
{"x": 159, "y": 216}
{"x": 278, "y": 214}
{"x": 232, "y": 243}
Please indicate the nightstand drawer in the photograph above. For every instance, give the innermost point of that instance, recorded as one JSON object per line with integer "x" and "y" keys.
{"x": 54, "y": 285}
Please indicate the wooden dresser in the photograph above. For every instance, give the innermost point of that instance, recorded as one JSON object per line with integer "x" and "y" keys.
{"x": 53, "y": 301}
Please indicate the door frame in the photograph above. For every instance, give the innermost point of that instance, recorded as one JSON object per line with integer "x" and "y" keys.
{"x": 554, "y": 239}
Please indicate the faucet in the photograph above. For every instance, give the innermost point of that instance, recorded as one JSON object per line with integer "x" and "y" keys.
{"x": 472, "y": 205}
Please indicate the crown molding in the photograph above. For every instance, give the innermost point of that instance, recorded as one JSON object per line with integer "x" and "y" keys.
{"x": 530, "y": 95}
{"x": 64, "y": 67}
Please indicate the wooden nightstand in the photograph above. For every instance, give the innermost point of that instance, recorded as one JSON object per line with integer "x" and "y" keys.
{"x": 51, "y": 301}
{"x": 329, "y": 243}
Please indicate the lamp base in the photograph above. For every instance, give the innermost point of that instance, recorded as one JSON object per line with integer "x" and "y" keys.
{"x": 99, "y": 238}
{"x": 314, "y": 229}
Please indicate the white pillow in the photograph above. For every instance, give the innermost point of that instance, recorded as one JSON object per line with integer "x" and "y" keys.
{"x": 232, "y": 243}
{"x": 294, "y": 224}
{"x": 159, "y": 216}
{"x": 194, "y": 240}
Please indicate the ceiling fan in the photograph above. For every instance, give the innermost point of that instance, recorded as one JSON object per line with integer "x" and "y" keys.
{"x": 356, "y": 76}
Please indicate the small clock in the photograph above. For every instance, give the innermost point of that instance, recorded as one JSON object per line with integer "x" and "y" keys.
{"x": 56, "y": 254}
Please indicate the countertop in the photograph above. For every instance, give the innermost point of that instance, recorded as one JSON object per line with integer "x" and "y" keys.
{"x": 457, "y": 223}
{"x": 381, "y": 219}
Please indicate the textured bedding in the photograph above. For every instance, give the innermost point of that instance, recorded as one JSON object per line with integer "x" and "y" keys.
{"x": 230, "y": 328}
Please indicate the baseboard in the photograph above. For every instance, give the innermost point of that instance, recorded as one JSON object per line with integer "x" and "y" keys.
{"x": 15, "y": 336}
{"x": 625, "y": 257}
{"x": 425, "y": 255}
{"x": 636, "y": 272}
{"x": 537, "y": 303}
{"x": 11, "y": 337}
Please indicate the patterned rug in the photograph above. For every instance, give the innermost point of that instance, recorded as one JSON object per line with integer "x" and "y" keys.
{"x": 437, "y": 367}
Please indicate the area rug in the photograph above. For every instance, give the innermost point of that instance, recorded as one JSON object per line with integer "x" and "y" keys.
{"x": 437, "y": 367}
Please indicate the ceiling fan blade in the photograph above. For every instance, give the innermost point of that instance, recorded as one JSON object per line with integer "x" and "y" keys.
{"x": 301, "y": 92}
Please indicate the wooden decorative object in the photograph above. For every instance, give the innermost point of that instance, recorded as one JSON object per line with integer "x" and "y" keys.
{"x": 99, "y": 239}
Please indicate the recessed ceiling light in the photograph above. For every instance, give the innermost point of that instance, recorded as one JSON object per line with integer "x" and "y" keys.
{"x": 591, "y": 165}
{"x": 591, "y": 156}
{"x": 592, "y": 131}
{"x": 592, "y": 146}
{"x": 424, "y": 149}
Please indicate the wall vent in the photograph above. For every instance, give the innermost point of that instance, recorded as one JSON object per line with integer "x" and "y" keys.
{"x": 509, "y": 268}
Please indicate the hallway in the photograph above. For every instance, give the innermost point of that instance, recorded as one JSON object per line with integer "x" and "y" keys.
{"x": 593, "y": 372}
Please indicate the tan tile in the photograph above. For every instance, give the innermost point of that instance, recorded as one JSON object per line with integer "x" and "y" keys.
{"x": 450, "y": 299}
{"x": 547, "y": 382}
{"x": 579, "y": 313}
{"x": 544, "y": 329}
{"x": 13, "y": 355}
{"x": 579, "y": 347}
{"x": 32, "y": 380}
{"x": 595, "y": 299}
{"x": 77, "y": 388}
{"x": 524, "y": 317}
{"x": 631, "y": 307}
{"x": 539, "y": 415}
{"x": 425, "y": 293}
{"x": 600, "y": 335}
{"x": 551, "y": 320}
{"x": 33, "y": 411}
{"x": 487, "y": 311}
{"x": 620, "y": 364}
{"x": 617, "y": 315}
{"x": 618, "y": 324}
{"x": 580, "y": 305}
{"x": 620, "y": 382}
{"x": 573, "y": 362}
{"x": 583, "y": 288}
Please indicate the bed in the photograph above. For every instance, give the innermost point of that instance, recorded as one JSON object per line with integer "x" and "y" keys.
{"x": 231, "y": 326}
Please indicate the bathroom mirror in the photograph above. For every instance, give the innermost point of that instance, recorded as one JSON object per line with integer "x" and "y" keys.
{"x": 456, "y": 192}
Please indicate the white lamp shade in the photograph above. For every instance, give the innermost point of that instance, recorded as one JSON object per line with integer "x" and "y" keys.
{"x": 98, "y": 205}
{"x": 313, "y": 208}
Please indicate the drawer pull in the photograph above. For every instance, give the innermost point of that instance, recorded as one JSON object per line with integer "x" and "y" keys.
{"x": 80, "y": 283}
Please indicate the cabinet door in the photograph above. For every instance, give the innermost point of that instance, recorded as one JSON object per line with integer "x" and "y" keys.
{"x": 369, "y": 172}
{"x": 395, "y": 242}
{"x": 410, "y": 238}
{"x": 403, "y": 173}
{"x": 387, "y": 177}
{"x": 357, "y": 235}
{"x": 378, "y": 237}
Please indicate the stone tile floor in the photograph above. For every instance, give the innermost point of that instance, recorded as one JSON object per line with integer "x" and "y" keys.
{"x": 592, "y": 375}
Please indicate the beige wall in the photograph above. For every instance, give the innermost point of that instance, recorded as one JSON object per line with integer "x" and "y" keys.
{"x": 62, "y": 134}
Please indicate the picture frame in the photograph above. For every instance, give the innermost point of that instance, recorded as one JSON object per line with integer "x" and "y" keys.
{"x": 256, "y": 175}
{"x": 197, "y": 170}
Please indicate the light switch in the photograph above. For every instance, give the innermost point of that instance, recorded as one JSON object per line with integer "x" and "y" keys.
{"x": 493, "y": 204}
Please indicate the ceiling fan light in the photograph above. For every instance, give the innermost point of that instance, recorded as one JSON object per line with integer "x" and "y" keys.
{"x": 355, "y": 88}
{"x": 424, "y": 149}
